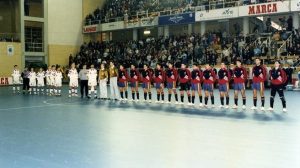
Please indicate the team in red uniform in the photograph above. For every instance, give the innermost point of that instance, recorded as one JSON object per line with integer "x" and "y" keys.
{"x": 239, "y": 79}
{"x": 146, "y": 76}
{"x": 209, "y": 78}
{"x": 159, "y": 79}
{"x": 278, "y": 78}
{"x": 224, "y": 77}
{"x": 184, "y": 81}
{"x": 134, "y": 82}
{"x": 171, "y": 76}
{"x": 259, "y": 74}
{"x": 196, "y": 79}
{"x": 123, "y": 82}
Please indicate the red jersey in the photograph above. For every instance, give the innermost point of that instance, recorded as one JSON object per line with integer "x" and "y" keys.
{"x": 239, "y": 75}
{"x": 196, "y": 76}
{"x": 223, "y": 76}
{"x": 134, "y": 75}
{"x": 278, "y": 76}
{"x": 171, "y": 75}
{"x": 259, "y": 74}
{"x": 146, "y": 76}
{"x": 209, "y": 76}
{"x": 123, "y": 76}
{"x": 159, "y": 76}
{"x": 184, "y": 75}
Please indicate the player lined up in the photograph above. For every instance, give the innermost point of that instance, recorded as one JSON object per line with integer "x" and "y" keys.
{"x": 191, "y": 83}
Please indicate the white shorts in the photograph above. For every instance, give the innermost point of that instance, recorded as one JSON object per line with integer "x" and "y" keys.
{"x": 32, "y": 83}
{"x": 73, "y": 83}
{"x": 40, "y": 83}
{"x": 92, "y": 82}
{"x": 16, "y": 81}
{"x": 58, "y": 83}
{"x": 52, "y": 82}
{"x": 48, "y": 81}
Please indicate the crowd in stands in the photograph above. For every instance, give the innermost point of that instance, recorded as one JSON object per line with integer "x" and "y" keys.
{"x": 128, "y": 9}
{"x": 213, "y": 48}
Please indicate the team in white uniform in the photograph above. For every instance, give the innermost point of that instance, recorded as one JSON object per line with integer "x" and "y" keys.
{"x": 32, "y": 81}
{"x": 92, "y": 81}
{"x": 58, "y": 82}
{"x": 48, "y": 80}
{"x": 16, "y": 77}
{"x": 40, "y": 76}
{"x": 73, "y": 84}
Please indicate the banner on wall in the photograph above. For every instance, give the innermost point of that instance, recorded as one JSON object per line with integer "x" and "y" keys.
{"x": 91, "y": 29}
{"x": 177, "y": 19}
{"x": 112, "y": 26}
{"x": 217, "y": 14}
{"x": 132, "y": 24}
{"x": 264, "y": 8}
{"x": 10, "y": 50}
{"x": 150, "y": 21}
{"x": 5, "y": 81}
{"x": 295, "y": 5}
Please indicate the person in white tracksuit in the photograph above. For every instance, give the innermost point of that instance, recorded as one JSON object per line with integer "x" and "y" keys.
{"x": 103, "y": 77}
{"x": 114, "y": 89}
{"x": 92, "y": 81}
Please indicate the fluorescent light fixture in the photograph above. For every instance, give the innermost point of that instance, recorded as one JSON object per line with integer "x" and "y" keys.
{"x": 147, "y": 32}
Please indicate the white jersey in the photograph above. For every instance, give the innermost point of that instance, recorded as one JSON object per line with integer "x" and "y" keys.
{"x": 47, "y": 75}
{"x": 16, "y": 75}
{"x": 73, "y": 75}
{"x": 52, "y": 77}
{"x": 92, "y": 77}
{"x": 58, "y": 79}
{"x": 40, "y": 79}
{"x": 32, "y": 79}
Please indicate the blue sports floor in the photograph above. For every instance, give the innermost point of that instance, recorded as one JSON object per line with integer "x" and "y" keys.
{"x": 58, "y": 132}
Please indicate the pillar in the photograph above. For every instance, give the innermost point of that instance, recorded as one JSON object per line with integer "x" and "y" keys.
{"x": 190, "y": 28}
{"x": 166, "y": 31}
{"x": 135, "y": 34}
{"x": 246, "y": 26}
{"x": 296, "y": 20}
{"x": 202, "y": 28}
{"x": 160, "y": 31}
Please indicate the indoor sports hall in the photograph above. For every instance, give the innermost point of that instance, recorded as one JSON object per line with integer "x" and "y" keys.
{"x": 149, "y": 84}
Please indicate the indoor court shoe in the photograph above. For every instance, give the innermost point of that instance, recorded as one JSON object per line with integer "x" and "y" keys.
{"x": 201, "y": 105}
{"x": 227, "y": 107}
{"x": 244, "y": 107}
{"x": 156, "y": 101}
{"x": 150, "y": 101}
{"x": 234, "y": 106}
{"x": 177, "y": 102}
{"x": 221, "y": 106}
{"x": 271, "y": 109}
{"x": 284, "y": 110}
{"x": 162, "y": 102}
{"x": 254, "y": 108}
{"x": 212, "y": 106}
{"x": 262, "y": 109}
{"x": 190, "y": 104}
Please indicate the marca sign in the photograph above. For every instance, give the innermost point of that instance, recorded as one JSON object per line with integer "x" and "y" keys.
{"x": 264, "y": 8}
{"x": 5, "y": 81}
{"x": 91, "y": 29}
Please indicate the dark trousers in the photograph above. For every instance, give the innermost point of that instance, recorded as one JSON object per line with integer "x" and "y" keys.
{"x": 279, "y": 90}
{"x": 25, "y": 84}
{"x": 84, "y": 87}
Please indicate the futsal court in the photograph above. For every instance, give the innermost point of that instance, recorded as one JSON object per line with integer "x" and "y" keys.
{"x": 61, "y": 132}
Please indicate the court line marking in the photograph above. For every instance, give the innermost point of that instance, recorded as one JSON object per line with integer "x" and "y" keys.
{"x": 30, "y": 107}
